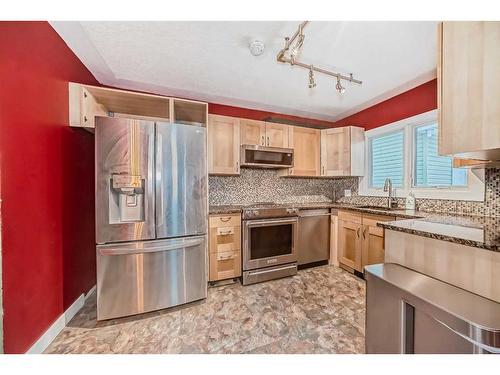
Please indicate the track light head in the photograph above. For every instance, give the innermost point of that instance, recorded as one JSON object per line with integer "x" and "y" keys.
{"x": 339, "y": 87}
{"x": 312, "y": 82}
{"x": 295, "y": 51}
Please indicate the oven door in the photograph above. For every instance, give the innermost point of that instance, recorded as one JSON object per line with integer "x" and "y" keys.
{"x": 269, "y": 242}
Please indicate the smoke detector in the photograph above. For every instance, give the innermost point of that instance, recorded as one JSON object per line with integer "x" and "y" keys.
{"x": 256, "y": 47}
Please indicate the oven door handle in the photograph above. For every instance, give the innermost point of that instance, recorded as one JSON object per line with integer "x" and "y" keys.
{"x": 267, "y": 222}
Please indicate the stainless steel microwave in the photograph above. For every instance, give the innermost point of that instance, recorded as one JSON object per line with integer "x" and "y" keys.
{"x": 266, "y": 157}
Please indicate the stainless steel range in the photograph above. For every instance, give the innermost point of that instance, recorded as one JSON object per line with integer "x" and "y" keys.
{"x": 269, "y": 242}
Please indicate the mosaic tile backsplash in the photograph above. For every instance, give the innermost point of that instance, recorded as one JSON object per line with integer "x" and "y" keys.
{"x": 264, "y": 185}
{"x": 490, "y": 206}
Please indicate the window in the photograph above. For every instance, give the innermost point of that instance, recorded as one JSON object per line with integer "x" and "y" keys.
{"x": 432, "y": 170}
{"x": 387, "y": 159}
{"x": 406, "y": 151}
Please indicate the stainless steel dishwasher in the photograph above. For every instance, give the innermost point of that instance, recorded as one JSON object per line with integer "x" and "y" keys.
{"x": 314, "y": 236}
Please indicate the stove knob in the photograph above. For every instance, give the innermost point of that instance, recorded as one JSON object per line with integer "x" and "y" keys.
{"x": 291, "y": 210}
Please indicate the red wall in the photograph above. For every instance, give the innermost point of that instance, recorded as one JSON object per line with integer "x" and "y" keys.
{"x": 418, "y": 100}
{"x": 47, "y": 183}
{"x": 226, "y": 110}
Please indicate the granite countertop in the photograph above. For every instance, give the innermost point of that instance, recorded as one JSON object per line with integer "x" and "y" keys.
{"x": 402, "y": 213}
{"x": 475, "y": 231}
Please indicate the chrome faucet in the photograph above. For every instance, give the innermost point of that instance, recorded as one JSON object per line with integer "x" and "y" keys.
{"x": 391, "y": 201}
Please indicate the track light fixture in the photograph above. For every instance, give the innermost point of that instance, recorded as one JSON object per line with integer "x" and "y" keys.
{"x": 312, "y": 82}
{"x": 296, "y": 49}
{"x": 290, "y": 54}
{"x": 339, "y": 87}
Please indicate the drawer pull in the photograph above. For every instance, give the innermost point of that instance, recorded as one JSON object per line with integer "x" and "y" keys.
{"x": 226, "y": 257}
{"x": 225, "y": 231}
{"x": 225, "y": 219}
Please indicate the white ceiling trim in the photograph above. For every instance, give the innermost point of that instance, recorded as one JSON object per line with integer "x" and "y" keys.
{"x": 389, "y": 94}
{"x": 83, "y": 48}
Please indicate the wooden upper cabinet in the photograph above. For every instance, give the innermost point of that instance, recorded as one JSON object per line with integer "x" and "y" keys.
{"x": 342, "y": 151}
{"x": 306, "y": 152}
{"x": 277, "y": 135}
{"x": 223, "y": 145}
{"x": 252, "y": 132}
{"x": 469, "y": 89}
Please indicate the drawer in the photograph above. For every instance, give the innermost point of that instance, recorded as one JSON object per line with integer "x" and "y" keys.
{"x": 225, "y": 220}
{"x": 224, "y": 239}
{"x": 225, "y": 265}
{"x": 372, "y": 220}
{"x": 349, "y": 216}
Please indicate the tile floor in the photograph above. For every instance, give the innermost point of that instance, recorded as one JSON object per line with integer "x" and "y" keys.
{"x": 320, "y": 310}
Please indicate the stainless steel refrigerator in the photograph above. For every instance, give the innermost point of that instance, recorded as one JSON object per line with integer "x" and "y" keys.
{"x": 151, "y": 215}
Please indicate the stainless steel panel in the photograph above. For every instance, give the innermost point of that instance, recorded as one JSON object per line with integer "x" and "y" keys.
{"x": 431, "y": 337}
{"x": 270, "y": 273}
{"x": 446, "y": 317}
{"x": 383, "y": 327}
{"x": 250, "y": 263}
{"x": 138, "y": 277}
{"x": 314, "y": 236}
{"x": 181, "y": 180}
{"x": 124, "y": 180}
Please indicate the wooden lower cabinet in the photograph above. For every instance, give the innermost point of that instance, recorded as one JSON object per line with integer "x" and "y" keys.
{"x": 361, "y": 241}
{"x": 224, "y": 247}
{"x": 349, "y": 249}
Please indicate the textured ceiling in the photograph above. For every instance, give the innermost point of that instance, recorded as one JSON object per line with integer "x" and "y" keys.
{"x": 211, "y": 61}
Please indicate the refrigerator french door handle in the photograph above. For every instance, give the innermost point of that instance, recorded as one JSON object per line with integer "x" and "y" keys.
{"x": 135, "y": 250}
{"x": 159, "y": 177}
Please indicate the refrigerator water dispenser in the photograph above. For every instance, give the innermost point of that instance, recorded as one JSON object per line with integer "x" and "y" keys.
{"x": 126, "y": 201}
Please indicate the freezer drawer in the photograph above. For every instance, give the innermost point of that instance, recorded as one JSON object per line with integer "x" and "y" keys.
{"x": 314, "y": 236}
{"x": 138, "y": 277}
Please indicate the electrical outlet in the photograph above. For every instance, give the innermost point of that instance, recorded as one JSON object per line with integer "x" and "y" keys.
{"x": 347, "y": 192}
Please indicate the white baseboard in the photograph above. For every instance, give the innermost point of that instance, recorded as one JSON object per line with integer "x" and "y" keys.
{"x": 50, "y": 334}
{"x": 92, "y": 290}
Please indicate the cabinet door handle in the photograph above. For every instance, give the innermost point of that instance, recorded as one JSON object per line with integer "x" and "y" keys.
{"x": 357, "y": 232}
{"x": 268, "y": 141}
{"x": 237, "y": 166}
{"x": 263, "y": 142}
{"x": 364, "y": 231}
{"x": 323, "y": 173}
